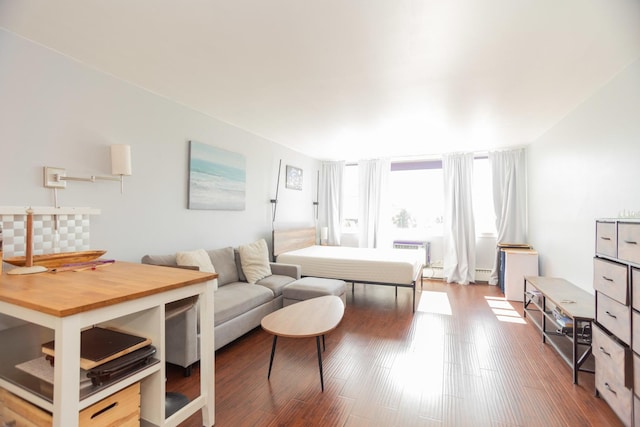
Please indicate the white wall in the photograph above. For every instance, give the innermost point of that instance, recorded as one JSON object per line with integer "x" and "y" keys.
{"x": 585, "y": 167}
{"x": 57, "y": 112}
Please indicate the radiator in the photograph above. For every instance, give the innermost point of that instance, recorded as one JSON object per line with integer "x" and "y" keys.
{"x": 415, "y": 245}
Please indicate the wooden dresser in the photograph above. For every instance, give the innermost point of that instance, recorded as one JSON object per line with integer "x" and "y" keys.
{"x": 125, "y": 296}
{"x": 616, "y": 335}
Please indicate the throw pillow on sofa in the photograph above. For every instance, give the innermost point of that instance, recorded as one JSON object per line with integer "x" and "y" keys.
{"x": 254, "y": 258}
{"x": 198, "y": 258}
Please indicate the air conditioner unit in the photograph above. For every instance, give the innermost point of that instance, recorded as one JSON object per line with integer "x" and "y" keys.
{"x": 415, "y": 245}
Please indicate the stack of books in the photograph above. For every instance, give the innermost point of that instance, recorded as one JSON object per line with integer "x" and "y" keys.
{"x": 106, "y": 354}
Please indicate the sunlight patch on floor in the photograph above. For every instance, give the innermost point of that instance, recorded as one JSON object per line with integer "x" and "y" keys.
{"x": 504, "y": 311}
{"x": 434, "y": 302}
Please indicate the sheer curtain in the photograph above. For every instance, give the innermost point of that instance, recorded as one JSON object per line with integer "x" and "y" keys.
{"x": 459, "y": 238}
{"x": 509, "y": 174}
{"x": 330, "y": 200}
{"x": 372, "y": 185}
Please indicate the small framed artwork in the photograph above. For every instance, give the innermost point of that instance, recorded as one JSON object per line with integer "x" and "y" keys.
{"x": 294, "y": 178}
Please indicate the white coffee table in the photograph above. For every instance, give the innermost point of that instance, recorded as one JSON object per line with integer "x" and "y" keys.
{"x": 311, "y": 318}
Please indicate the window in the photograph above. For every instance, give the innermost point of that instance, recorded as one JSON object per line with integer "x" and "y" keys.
{"x": 415, "y": 193}
{"x": 416, "y": 199}
{"x": 483, "y": 211}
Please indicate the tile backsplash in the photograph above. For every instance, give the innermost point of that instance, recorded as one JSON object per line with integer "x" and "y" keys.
{"x": 52, "y": 232}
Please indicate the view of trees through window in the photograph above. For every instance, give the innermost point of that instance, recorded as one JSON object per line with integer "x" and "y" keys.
{"x": 416, "y": 199}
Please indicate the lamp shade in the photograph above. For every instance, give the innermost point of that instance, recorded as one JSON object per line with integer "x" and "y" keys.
{"x": 121, "y": 159}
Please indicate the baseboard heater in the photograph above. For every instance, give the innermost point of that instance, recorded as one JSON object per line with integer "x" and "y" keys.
{"x": 437, "y": 272}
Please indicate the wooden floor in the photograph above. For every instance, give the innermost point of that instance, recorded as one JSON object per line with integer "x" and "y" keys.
{"x": 465, "y": 358}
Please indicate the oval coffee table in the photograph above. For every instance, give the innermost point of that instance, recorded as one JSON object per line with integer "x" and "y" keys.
{"x": 310, "y": 318}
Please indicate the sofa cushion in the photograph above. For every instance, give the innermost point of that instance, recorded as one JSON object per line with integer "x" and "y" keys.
{"x": 160, "y": 259}
{"x": 199, "y": 258}
{"x": 255, "y": 260}
{"x": 241, "y": 277}
{"x": 225, "y": 264}
{"x": 276, "y": 283}
{"x": 237, "y": 298}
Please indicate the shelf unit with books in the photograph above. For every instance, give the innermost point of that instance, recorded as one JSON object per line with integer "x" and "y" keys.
{"x": 563, "y": 313}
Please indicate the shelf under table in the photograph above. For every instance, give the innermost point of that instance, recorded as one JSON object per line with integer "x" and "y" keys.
{"x": 574, "y": 302}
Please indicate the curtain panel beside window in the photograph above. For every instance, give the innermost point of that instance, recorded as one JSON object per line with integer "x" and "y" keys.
{"x": 330, "y": 200}
{"x": 459, "y": 239}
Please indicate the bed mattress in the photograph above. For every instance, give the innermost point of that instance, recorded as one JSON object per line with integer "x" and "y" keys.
{"x": 393, "y": 266}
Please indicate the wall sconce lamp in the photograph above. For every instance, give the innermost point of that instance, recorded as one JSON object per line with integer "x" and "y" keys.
{"x": 120, "y": 167}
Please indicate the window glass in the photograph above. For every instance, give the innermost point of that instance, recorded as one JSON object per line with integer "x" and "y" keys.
{"x": 483, "y": 212}
{"x": 416, "y": 201}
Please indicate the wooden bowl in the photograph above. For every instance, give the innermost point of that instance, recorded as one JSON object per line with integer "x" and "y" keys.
{"x": 57, "y": 260}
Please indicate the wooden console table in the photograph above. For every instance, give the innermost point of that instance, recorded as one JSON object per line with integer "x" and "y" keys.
{"x": 541, "y": 296}
{"x": 126, "y": 296}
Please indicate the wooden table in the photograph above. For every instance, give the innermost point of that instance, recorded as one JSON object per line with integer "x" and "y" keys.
{"x": 311, "y": 318}
{"x": 125, "y": 296}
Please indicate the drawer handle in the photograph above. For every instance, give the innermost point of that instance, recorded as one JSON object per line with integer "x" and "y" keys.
{"x": 608, "y": 279}
{"x": 604, "y": 351}
{"x": 612, "y": 315}
{"x": 610, "y": 389}
{"x": 605, "y": 238}
{"x": 630, "y": 242}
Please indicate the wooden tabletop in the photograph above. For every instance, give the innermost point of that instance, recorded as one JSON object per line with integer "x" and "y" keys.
{"x": 309, "y": 318}
{"x": 574, "y": 301}
{"x": 65, "y": 293}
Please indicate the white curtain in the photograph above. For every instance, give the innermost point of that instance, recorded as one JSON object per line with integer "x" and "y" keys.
{"x": 459, "y": 229}
{"x": 509, "y": 174}
{"x": 330, "y": 200}
{"x": 372, "y": 185}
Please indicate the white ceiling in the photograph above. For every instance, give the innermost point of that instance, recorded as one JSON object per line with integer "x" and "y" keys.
{"x": 341, "y": 79}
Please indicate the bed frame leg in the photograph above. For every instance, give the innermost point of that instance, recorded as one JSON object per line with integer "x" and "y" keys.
{"x": 414, "y": 297}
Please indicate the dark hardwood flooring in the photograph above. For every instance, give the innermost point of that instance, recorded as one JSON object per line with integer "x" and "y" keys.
{"x": 465, "y": 358}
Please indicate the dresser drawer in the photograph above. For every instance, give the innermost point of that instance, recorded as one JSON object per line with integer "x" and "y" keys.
{"x": 636, "y": 373}
{"x": 613, "y": 316}
{"x": 615, "y": 393}
{"x": 610, "y": 278}
{"x": 606, "y": 241}
{"x": 612, "y": 356}
{"x": 629, "y": 242}
{"x": 635, "y": 324}
{"x": 635, "y": 286}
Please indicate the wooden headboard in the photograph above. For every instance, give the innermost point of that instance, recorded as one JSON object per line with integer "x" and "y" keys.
{"x": 290, "y": 240}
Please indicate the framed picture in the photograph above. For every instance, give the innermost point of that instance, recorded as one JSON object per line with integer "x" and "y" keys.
{"x": 294, "y": 178}
{"x": 217, "y": 178}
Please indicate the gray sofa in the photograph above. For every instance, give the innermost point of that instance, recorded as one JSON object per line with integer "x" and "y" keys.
{"x": 238, "y": 306}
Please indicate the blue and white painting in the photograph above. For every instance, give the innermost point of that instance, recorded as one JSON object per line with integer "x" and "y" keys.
{"x": 217, "y": 178}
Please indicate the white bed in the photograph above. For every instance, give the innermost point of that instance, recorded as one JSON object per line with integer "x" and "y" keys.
{"x": 393, "y": 267}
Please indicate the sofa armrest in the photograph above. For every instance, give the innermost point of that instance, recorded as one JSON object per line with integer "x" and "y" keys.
{"x": 290, "y": 270}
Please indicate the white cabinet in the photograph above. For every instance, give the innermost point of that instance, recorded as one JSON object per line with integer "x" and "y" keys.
{"x": 518, "y": 263}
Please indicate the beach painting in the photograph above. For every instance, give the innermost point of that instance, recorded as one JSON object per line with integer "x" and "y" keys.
{"x": 217, "y": 178}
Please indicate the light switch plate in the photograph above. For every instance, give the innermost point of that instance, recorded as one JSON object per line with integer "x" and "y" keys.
{"x": 50, "y": 180}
